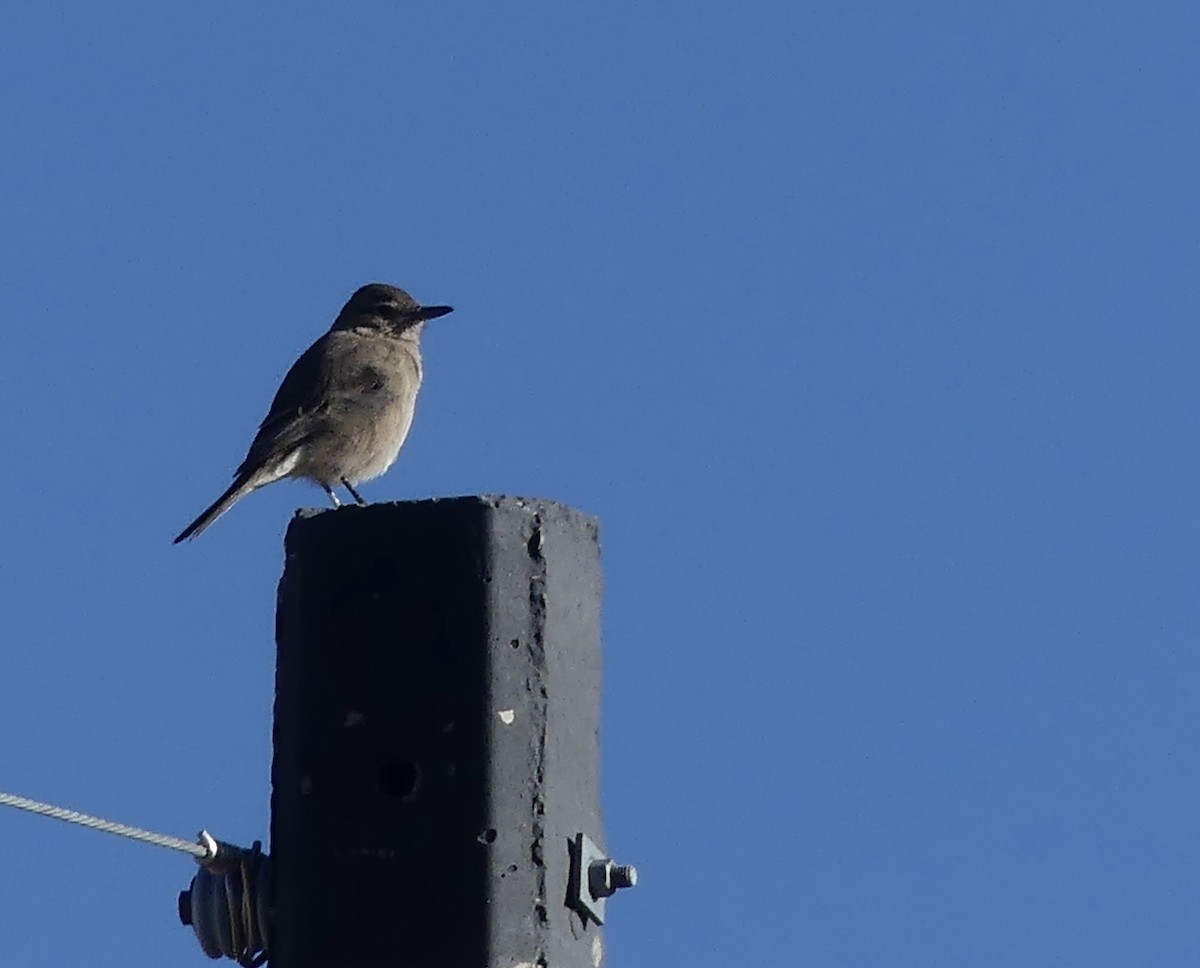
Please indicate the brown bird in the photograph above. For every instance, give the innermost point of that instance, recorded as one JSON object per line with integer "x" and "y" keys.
{"x": 345, "y": 407}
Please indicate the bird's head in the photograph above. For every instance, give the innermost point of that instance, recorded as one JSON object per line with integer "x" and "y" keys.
{"x": 387, "y": 309}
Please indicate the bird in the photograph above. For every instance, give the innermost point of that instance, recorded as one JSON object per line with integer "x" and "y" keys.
{"x": 345, "y": 407}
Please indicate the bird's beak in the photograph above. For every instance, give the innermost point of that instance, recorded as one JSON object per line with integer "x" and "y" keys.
{"x": 433, "y": 312}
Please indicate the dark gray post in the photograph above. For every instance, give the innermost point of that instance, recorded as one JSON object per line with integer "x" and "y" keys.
{"x": 436, "y": 737}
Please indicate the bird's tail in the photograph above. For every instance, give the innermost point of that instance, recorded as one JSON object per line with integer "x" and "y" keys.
{"x": 242, "y": 485}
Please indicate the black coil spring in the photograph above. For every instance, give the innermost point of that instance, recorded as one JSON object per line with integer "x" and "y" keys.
{"x": 227, "y": 906}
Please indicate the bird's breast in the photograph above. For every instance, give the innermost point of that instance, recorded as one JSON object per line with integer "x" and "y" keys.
{"x": 379, "y": 414}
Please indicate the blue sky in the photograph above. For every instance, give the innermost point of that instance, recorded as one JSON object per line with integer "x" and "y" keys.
{"x": 867, "y": 330}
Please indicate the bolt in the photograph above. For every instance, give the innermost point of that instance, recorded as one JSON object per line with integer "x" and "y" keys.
{"x": 606, "y": 878}
{"x": 185, "y": 907}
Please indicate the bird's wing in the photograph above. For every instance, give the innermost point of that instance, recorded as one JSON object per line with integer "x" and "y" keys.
{"x": 302, "y": 394}
{"x": 329, "y": 370}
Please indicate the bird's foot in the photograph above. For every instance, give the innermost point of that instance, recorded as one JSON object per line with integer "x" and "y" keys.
{"x": 354, "y": 494}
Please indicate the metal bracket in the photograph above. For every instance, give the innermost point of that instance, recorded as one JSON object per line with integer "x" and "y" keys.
{"x": 594, "y": 878}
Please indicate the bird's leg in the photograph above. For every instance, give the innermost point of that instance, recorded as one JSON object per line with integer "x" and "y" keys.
{"x": 333, "y": 497}
{"x": 353, "y": 493}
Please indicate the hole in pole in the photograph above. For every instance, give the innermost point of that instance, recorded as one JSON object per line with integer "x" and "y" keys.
{"x": 399, "y": 778}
